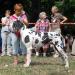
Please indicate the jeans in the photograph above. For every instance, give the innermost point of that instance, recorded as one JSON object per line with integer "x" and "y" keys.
{"x": 12, "y": 43}
{"x": 23, "y": 48}
{"x": 15, "y": 44}
{"x": 4, "y": 36}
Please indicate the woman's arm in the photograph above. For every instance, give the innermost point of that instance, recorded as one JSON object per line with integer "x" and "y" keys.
{"x": 37, "y": 26}
{"x": 50, "y": 27}
{"x": 64, "y": 19}
{"x": 25, "y": 21}
{"x": 3, "y": 21}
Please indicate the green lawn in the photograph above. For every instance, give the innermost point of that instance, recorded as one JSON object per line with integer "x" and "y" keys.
{"x": 39, "y": 66}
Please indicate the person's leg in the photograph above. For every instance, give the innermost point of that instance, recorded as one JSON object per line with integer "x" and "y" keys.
{"x": 14, "y": 47}
{"x": 4, "y": 38}
{"x": 73, "y": 48}
{"x": 70, "y": 43}
{"x": 37, "y": 52}
{"x": 18, "y": 46}
{"x": 44, "y": 52}
{"x": 23, "y": 48}
{"x": 45, "y": 48}
{"x": 9, "y": 48}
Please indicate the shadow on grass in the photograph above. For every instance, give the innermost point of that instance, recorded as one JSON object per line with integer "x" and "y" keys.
{"x": 58, "y": 73}
{"x": 45, "y": 63}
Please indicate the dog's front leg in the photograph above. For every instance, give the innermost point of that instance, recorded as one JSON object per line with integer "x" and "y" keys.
{"x": 28, "y": 57}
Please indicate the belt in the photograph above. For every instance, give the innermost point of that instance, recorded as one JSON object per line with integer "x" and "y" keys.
{"x": 13, "y": 32}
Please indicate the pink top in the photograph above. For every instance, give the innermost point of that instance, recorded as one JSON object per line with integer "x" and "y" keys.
{"x": 21, "y": 17}
{"x": 5, "y": 20}
{"x": 5, "y": 24}
{"x": 14, "y": 17}
{"x": 42, "y": 26}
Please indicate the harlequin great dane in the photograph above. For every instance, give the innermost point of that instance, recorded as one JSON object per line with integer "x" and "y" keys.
{"x": 35, "y": 40}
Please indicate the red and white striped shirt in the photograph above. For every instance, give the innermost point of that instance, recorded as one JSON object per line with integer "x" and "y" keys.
{"x": 42, "y": 26}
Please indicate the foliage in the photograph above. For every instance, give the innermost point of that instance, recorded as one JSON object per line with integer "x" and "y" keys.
{"x": 67, "y": 7}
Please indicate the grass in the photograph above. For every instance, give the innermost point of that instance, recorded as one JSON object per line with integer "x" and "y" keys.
{"x": 39, "y": 66}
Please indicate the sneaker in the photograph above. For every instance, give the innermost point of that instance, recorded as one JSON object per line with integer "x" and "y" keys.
{"x": 8, "y": 54}
{"x": 44, "y": 54}
{"x": 2, "y": 54}
{"x": 37, "y": 53}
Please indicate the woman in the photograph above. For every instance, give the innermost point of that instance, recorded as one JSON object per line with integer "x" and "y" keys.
{"x": 4, "y": 32}
{"x": 18, "y": 15}
{"x": 43, "y": 25}
{"x": 57, "y": 19}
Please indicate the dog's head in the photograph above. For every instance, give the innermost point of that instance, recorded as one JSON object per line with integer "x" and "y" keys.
{"x": 17, "y": 25}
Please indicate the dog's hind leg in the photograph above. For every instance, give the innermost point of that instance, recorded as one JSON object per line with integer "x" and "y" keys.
{"x": 58, "y": 45}
{"x": 63, "y": 55}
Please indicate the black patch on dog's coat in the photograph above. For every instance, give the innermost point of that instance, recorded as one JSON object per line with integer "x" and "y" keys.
{"x": 31, "y": 32}
{"x": 51, "y": 34}
{"x": 45, "y": 38}
{"x": 57, "y": 34}
{"x": 56, "y": 43}
{"x": 27, "y": 39}
{"x": 36, "y": 41}
{"x": 38, "y": 33}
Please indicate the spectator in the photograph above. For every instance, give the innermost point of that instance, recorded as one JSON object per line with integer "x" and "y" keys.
{"x": 4, "y": 32}
{"x": 57, "y": 19}
{"x": 43, "y": 25}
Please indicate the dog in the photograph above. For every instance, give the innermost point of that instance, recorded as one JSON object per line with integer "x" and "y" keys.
{"x": 35, "y": 40}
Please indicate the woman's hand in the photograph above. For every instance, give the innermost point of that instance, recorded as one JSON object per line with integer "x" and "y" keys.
{"x": 64, "y": 20}
{"x": 25, "y": 21}
{"x": 61, "y": 23}
{"x": 3, "y": 24}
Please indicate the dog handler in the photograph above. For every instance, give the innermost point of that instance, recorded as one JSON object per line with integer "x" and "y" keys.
{"x": 18, "y": 15}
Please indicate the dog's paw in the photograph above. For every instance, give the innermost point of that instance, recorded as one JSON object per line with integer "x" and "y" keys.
{"x": 6, "y": 66}
{"x": 26, "y": 65}
{"x": 67, "y": 67}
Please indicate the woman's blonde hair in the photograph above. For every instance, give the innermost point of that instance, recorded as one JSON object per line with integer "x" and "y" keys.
{"x": 55, "y": 8}
{"x": 7, "y": 11}
{"x": 42, "y": 14}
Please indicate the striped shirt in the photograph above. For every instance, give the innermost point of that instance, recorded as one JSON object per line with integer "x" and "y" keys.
{"x": 42, "y": 26}
{"x": 5, "y": 24}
